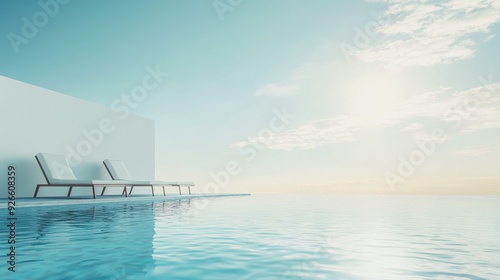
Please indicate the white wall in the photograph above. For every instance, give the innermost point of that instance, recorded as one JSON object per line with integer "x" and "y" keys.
{"x": 33, "y": 120}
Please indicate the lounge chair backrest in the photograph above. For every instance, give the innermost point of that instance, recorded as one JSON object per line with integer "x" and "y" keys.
{"x": 117, "y": 170}
{"x": 55, "y": 167}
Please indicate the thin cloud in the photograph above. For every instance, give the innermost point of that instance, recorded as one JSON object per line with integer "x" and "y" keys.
{"x": 476, "y": 151}
{"x": 276, "y": 90}
{"x": 299, "y": 76}
{"x": 413, "y": 127}
{"x": 351, "y": 183}
{"x": 469, "y": 111}
{"x": 308, "y": 136}
{"x": 427, "y": 33}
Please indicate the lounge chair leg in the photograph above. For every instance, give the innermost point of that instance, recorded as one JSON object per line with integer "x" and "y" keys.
{"x": 69, "y": 191}
{"x": 36, "y": 190}
{"x": 153, "y": 190}
{"x": 103, "y": 189}
{"x": 93, "y": 191}
{"x": 189, "y": 188}
{"x": 180, "y": 193}
{"x": 163, "y": 190}
{"x": 125, "y": 191}
{"x": 131, "y": 189}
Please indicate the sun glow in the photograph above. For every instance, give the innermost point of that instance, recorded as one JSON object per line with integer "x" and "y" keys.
{"x": 372, "y": 100}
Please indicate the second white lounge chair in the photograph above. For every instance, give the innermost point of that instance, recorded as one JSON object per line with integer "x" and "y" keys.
{"x": 119, "y": 172}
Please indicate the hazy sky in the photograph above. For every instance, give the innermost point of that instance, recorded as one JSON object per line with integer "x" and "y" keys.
{"x": 303, "y": 96}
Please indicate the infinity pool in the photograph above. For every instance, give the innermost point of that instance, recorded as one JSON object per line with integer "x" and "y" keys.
{"x": 260, "y": 237}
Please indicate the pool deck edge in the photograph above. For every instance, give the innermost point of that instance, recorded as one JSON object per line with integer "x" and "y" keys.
{"x": 55, "y": 201}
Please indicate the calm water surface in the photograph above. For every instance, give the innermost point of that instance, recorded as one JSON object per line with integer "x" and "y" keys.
{"x": 261, "y": 237}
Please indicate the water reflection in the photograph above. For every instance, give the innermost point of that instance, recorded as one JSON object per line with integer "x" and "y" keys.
{"x": 98, "y": 241}
{"x": 172, "y": 207}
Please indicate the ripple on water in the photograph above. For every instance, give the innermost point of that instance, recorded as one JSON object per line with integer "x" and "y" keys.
{"x": 264, "y": 237}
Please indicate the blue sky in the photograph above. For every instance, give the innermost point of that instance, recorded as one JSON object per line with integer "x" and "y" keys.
{"x": 367, "y": 83}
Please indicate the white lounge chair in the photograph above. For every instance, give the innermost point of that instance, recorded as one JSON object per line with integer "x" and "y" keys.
{"x": 119, "y": 172}
{"x": 58, "y": 173}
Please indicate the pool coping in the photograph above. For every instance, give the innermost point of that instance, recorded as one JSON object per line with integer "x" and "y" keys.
{"x": 78, "y": 200}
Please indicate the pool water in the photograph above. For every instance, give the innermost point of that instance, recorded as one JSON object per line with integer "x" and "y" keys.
{"x": 260, "y": 237}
